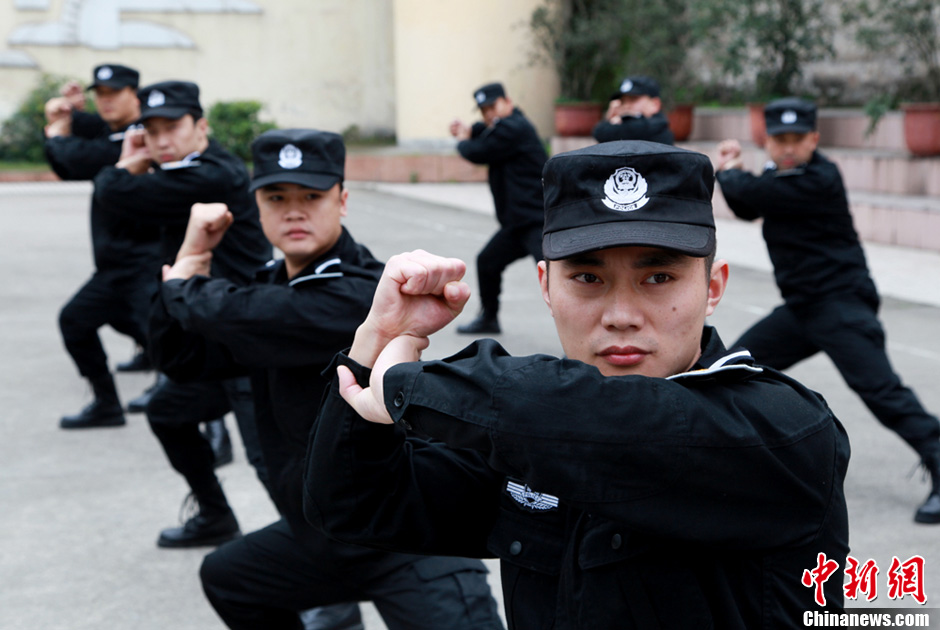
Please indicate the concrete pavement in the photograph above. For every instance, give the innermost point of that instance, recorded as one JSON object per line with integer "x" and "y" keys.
{"x": 81, "y": 510}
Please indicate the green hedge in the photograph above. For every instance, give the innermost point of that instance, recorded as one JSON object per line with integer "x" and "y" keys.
{"x": 21, "y": 136}
{"x": 235, "y": 124}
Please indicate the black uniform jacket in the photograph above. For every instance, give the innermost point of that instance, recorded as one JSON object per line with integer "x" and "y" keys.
{"x": 121, "y": 244}
{"x": 654, "y": 128}
{"x": 515, "y": 155}
{"x": 163, "y": 198}
{"x": 612, "y": 502}
{"x": 283, "y": 334}
{"x": 808, "y": 229}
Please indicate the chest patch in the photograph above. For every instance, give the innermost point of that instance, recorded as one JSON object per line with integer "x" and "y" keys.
{"x": 536, "y": 501}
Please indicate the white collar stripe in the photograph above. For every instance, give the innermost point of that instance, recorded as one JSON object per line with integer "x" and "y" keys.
{"x": 328, "y": 263}
{"x": 730, "y": 357}
{"x": 315, "y": 276}
{"x": 714, "y": 370}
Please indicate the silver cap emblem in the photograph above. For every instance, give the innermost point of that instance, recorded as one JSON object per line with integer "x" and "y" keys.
{"x": 290, "y": 157}
{"x": 625, "y": 190}
{"x": 156, "y": 99}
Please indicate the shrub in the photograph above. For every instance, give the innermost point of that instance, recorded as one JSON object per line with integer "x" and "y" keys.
{"x": 21, "y": 136}
{"x": 774, "y": 39}
{"x": 235, "y": 125}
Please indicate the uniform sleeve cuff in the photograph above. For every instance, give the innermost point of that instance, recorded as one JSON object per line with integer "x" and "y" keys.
{"x": 399, "y": 390}
{"x": 361, "y": 372}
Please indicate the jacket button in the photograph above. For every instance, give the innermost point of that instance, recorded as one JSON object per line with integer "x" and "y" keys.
{"x": 616, "y": 541}
{"x": 399, "y": 399}
{"x": 515, "y": 548}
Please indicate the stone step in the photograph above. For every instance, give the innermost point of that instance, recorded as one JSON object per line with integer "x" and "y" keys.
{"x": 866, "y": 170}
{"x": 903, "y": 220}
{"x": 843, "y": 128}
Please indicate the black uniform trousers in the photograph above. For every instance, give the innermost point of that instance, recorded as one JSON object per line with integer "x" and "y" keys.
{"x": 266, "y": 578}
{"x": 118, "y": 299}
{"x": 508, "y": 245}
{"x": 847, "y": 329}
{"x": 174, "y": 414}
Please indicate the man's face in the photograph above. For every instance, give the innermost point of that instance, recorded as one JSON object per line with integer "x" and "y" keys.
{"x": 301, "y": 222}
{"x": 642, "y": 104}
{"x": 789, "y": 150}
{"x": 632, "y": 310}
{"x": 117, "y": 107}
{"x": 500, "y": 108}
{"x": 170, "y": 140}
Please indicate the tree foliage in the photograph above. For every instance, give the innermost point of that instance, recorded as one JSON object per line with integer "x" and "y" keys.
{"x": 774, "y": 38}
{"x": 21, "y": 136}
{"x": 235, "y": 125}
{"x": 907, "y": 30}
{"x": 583, "y": 40}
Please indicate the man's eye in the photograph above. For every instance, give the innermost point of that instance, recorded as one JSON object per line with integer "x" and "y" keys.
{"x": 587, "y": 278}
{"x": 658, "y": 278}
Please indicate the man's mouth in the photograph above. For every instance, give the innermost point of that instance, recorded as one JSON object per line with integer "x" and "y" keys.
{"x": 623, "y": 355}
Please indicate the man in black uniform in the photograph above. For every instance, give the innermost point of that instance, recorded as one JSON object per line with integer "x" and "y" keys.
{"x": 830, "y": 303}
{"x": 651, "y": 479}
{"x": 635, "y": 113}
{"x": 163, "y": 170}
{"x": 509, "y": 144}
{"x": 126, "y": 250}
{"x": 284, "y": 329}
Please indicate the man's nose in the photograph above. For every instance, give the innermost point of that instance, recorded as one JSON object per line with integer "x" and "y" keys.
{"x": 622, "y": 311}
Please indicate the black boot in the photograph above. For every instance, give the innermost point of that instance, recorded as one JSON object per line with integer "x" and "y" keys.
{"x": 929, "y": 512}
{"x": 140, "y": 362}
{"x": 485, "y": 323}
{"x": 104, "y": 411}
{"x": 139, "y": 404}
{"x": 213, "y": 524}
{"x": 217, "y": 433}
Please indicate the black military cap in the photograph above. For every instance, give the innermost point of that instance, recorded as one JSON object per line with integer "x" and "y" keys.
{"x": 113, "y": 76}
{"x": 488, "y": 94}
{"x": 169, "y": 99}
{"x": 638, "y": 86}
{"x": 628, "y": 192}
{"x": 310, "y": 158}
{"x": 790, "y": 115}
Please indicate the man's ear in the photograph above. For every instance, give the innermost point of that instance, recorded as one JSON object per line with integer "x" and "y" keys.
{"x": 815, "y": 138}
{"x": 343, "y": 200}
{"x": 543, "y": 283}
{"x": 717, "y": 283}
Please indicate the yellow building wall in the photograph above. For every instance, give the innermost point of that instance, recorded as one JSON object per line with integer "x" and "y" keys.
{"x": 316, "y": 63}
{"x": 445, "y": 49}
{"x": 408, "y": 66}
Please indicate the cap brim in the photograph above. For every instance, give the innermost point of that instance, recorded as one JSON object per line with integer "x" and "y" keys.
{"x": 776, "y": 130}
{"x": 173, "y": 113}
{"x": 316, "y": 181}
{"x": 694, "y": 240}
{"x": 114, "y": 85}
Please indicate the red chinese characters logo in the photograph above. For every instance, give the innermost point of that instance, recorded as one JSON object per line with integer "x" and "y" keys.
{"x": 907, "y": 578}
{"x": 862, "y": 578}
{"x": 904, "y": 578}
{"x": 818, "y": 576}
